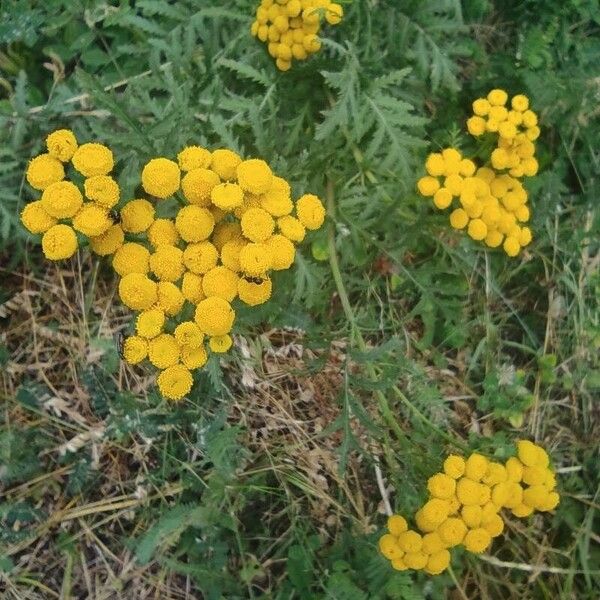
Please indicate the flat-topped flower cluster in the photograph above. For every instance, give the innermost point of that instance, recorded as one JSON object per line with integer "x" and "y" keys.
{"x": 290, "y": 28}
{"x": 463, "y": 509}
{"x": 489, "y": 201}
{"x": 236, "y": 223}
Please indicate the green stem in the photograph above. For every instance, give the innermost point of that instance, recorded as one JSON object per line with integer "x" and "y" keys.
{"x": 356, "y": 337}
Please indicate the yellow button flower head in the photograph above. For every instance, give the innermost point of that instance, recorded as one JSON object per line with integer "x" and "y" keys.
{"x": 137, "y": 291}
{"x": 496, "y": 473}
{"x": 310, "y": 211}
{"x": 438, "y": 562}
{"x": 514, "y": 495}
{"x": 61, "y": 144}
{"x": 221, "y": 282}
{"x": 481, "y": 107}
{"x": 198, "y": 184}
{"x": 102, "y": 189}
{"x": 108, "y": 242}
{"x": 477, "y": 229}
{"x": 511, "y": 246}
{"x": 214, "y": 316}
{"x": 415, "y": 560}
{"x": 389, "y": 547}
{"x": 135, "y": 349}
{"x": 93, "y": 159}
{"x": 194, "y": 157}
{"x": 137, "y": 216}
{"x": 161, "y": 177}
{"x": 35, "y": 218}
{"x": 92, "y": 220}
{"x": 59, "y": 242}
{"x": 477, "y": 540}
{"x": 494, "y": 526}
{"x": 534, "y": 475}
{"x": 283, "y": 252}
{"x": 131, "y": 258}
{"x": 227, "y": 196}
{"x": 44, "y": 170}
{"x": 170, "y": 298}
{"x": 454, "y": 466}
{"x": 410, "y": 541}
{"x": 291, "y": 228}
{"x": 188, "y": 334}
{"x": 432, "y": 543}
{"x": 535, "y": 496}
{"x": 225, "y": 232}
{"x": 459, "y": 218}
{"x": 435, "y": 512}
{"x": 194, "y": 358}
{"x": 150, "y": 323}
{"x": 194, "y": 223}
{"x": 252, "y": 292}
{"x": 476, "y": 125}
{"x": 522, "y": 510}
{"x": 551, "y": 502}
{"x": 257, "y": 224}
{"x": 476, "y": 467}
{"x": 175, "y": 382}
{"x": 497, "y": 97}
{"x": 200, "y": 258}
{"x": 507, "y": 129}
{"x": 254, "y": 176}
{"x": 163, "y": 351}
{"x": 441, "y": 485}
{"x": 334, "y": 13}
{"x": 452, "y": 531}
{"x": 62, "y": 200}
{"x": 256, "y": 259}
{"x": 167, "y": 263}
{"x": 527, "y": 452}
{"x": 398, "y": 564}
{"x": 230, "y": 254}
{"x": 277, "y": 200}
{"x": 220, "y": 343}
{"x": 224, "y": 163}
{"x": 162, "y": 231}
{"x": 428, "y": 186}
{"x": 468, "y": 491}
{"x": 472, "y": 515}
{"x": 520, "y": 102}
{"x": 435, "y": 164}
{"x": 191, "y": 287}
{"x": 397, "y": 524}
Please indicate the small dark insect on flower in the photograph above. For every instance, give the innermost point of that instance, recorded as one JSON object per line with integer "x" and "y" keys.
{"x": 120, "y": 342}
{"x": 115, "y": 216}
{"x": 255, "y": 280}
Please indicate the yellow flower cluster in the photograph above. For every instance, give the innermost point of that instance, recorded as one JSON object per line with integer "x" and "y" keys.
{"x": 238, "y": 224}
{"x": 235, "y": 225}
{"x": 61, "y": 211}
{"x": 516, "y": 127}
{"x": 464, "y": 504}
{"x": 290, "y": 27}
{"x": 491, "y": 205}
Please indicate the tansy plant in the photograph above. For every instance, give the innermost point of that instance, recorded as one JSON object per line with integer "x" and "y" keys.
{"x": 183, "y": 274}
{"x": 290, "y": 28}
{"x": 491, "y": 201}
{"x": 464, "y": 505}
